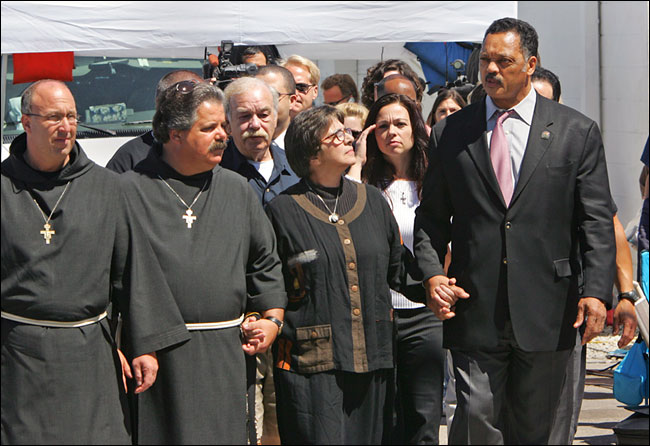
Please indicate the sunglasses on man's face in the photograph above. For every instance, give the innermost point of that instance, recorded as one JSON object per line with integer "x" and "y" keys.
{"x": 340, "y": 101}
{"x": 304, "y": 88}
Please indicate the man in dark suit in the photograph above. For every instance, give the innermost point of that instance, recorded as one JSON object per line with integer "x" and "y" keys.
{"x": 513, "y": 194}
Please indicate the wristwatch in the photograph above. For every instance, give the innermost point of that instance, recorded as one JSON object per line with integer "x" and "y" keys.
{"x": 277, "y": 322}
{"x": 632, "y": 296}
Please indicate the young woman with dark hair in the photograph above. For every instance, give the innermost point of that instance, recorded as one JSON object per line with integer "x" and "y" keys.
{"x": 396, "y": 162}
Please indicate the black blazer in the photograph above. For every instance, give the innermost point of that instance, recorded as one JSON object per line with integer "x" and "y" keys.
{"x": 521, "y": 262}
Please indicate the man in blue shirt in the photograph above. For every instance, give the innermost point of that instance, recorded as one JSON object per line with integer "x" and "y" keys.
{"x": 252, "y": 112}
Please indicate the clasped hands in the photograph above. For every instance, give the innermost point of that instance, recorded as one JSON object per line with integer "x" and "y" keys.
{"x": 258, "y": 334}
{"x": 442, "y": 295}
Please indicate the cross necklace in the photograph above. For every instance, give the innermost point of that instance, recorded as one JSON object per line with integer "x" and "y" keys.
{"x": 188, "y": 217}
{"x": 333, "y": 217}
{"x": 47, "y": 231}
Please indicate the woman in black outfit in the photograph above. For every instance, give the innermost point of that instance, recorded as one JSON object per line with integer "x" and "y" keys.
{"x": 340, "y": 248}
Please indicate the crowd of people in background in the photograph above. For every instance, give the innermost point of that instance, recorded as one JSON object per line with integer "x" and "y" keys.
{"x": 268, "y": 270}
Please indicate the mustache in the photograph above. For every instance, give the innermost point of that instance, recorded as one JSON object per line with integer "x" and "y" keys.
{"x": 494, "y": 78}
{"x": 254, "y": 134}
{"x": 217, "y": 145}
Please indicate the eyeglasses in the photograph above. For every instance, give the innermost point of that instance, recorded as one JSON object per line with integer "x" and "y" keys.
{"x": 57, "y": 118}
{"x": 186, "y": 87}
{"x": 304, "y": 88}
{"x": 281, "y": 95}
{"x": 339, "y": 135}
{"x": 340, "y": 101}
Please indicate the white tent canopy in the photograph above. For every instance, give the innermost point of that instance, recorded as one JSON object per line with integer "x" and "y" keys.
{"x": 320, "y": 30}
{"x": 182, "y": 29}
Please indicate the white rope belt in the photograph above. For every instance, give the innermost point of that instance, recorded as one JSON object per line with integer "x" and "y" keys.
{"x": 215, "y": 325}
{"x": 54, "y": 324}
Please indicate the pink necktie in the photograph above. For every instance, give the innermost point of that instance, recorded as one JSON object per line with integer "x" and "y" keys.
{"x": 500, "y": 156}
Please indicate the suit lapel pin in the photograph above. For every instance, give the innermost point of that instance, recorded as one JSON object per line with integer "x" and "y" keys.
{"x": 546, "y": 134}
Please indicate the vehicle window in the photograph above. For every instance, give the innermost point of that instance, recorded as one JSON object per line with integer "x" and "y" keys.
{"x": 114, "y": 94}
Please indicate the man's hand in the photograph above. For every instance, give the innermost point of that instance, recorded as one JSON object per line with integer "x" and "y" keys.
{"x": 252, "y": 334}
{"x": 442, "y": 295}
{"x": 594, "y": 311}
{"x": 258, "y": 335}
{"x": 145, "y": 369}
{"x": 126, "y": 369}
{"x": 625, "y": 316}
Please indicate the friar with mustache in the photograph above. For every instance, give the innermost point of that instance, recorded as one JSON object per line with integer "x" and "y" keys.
{"x": 218, "y": 250}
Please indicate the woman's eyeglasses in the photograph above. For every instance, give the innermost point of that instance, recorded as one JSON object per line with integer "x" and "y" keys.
{"x": 339, "y": 135}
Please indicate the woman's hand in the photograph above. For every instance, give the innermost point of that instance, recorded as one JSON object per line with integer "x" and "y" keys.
{"x": 360, "y": 151}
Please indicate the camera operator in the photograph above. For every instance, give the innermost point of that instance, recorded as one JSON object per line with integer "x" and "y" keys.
{"x": 221, "y": 70}
{"x": 260, "y": 55}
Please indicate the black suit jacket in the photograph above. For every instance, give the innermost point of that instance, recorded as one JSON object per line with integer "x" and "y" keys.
{"x": 520, "y": 262}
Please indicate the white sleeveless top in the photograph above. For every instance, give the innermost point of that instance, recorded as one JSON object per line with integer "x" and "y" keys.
{"x": 402, "y": 197}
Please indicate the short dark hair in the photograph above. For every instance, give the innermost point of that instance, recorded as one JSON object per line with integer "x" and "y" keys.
{"x": 344, "y": 82}
{"x": 443, "y": 95}
{"x": 376, "y": 73}
{"x": 287, "y": 77}
{"x": 381, "y": 85}
{"x": 241, "y": 52}
{"x": 378, "y": 171}
{"x": 251, "y": 51}
{"x": 176, "y": 110}
{"x": 544, "y": 75}
{"x": 528, "y": 39}
{"x": 303, "y": 139}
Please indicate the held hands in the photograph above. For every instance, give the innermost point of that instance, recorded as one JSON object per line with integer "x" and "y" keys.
{"x": 594, "y": 311}
{"x": 442, "y": 295}
{"x": 145, "y": 369}
{"x": 258, "y": 335}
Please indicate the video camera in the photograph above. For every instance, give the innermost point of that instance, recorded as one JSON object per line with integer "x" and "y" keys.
{"x": 461, "y": 84}
{"x": 221, "y": 67}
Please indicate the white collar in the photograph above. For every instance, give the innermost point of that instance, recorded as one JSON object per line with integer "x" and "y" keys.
{"x": 525, "y": 109}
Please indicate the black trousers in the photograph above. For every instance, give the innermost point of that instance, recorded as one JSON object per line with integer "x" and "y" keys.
{"x": 333, "y": 407}
{"x": 506, "y": 395}
{"x": 420, "y": 362}
{"x": 565, "y": 424}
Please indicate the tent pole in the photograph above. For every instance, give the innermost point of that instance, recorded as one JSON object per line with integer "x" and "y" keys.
{"x": 3, "y": 85}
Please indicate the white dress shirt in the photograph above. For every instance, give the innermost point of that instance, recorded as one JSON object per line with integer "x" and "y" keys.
{"x": 516, "y": 128}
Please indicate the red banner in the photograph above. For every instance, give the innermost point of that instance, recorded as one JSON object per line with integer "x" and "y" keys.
{"x": 31, "y": 67}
